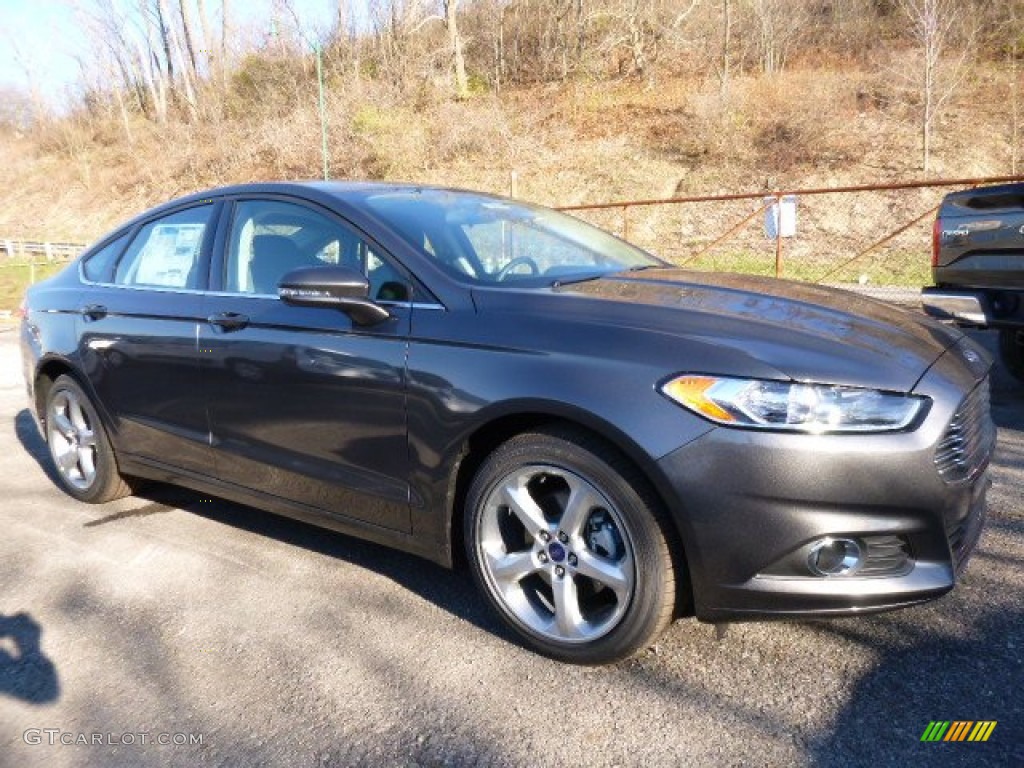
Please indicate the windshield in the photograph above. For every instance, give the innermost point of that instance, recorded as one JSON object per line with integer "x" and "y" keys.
{"x": 489, "y": 240}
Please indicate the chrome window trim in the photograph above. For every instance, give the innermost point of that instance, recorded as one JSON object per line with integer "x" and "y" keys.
{"x": 228, "y": 294}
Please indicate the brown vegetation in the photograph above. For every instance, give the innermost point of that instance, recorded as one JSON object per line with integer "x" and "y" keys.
{"x": 583, "y": 100}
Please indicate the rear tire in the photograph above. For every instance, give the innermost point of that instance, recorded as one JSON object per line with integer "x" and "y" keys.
{"x": 1011, "y": 351}
{"x": 570, "y": 546}
{"x": 79, "y": 446}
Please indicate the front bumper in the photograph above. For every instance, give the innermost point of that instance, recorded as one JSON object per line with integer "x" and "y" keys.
{"x": 750, "y": 504}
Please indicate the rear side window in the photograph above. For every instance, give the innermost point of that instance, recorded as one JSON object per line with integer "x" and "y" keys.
{"x": 99, "y": 266}
{"x": 166, "y": 252}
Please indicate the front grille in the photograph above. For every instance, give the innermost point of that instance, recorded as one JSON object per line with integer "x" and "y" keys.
{"x": 964, "y": 534}
{"x": 967, "y": 443}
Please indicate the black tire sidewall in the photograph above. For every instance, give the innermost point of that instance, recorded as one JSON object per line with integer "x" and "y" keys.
{"x": 643, "y": 618}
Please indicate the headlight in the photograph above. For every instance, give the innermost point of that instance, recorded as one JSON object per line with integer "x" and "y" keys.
{"x": 793, "y": 406}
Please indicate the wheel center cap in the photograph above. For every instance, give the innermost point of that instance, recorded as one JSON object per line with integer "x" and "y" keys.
{"x": 556, "y": 552}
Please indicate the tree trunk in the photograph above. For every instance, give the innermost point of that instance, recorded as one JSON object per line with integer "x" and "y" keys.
{"x": 155, "y": 74}
{"x": 165, "y": 40}
{"x": 1014, "y": 97}
{"x": 455, "y": 41}
{"x": 185, "y": 11}
{"x": 636, "y": 39}
{"x": 225, "y": 32}
{"x": 723, "y": 84}
{"x": 342, "y": 19}
{"x": 204, "y": 31}
{"x": 174, "y": 49}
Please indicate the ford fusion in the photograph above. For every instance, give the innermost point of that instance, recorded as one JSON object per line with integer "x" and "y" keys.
{"x": 607, "y": 441}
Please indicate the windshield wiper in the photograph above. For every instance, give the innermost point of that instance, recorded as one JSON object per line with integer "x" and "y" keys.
{"x": 573, "y": 279}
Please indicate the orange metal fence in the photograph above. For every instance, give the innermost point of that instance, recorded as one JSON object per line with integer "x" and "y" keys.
{"x": 838, "y": 237}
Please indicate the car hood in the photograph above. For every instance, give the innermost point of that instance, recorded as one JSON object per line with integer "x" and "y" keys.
{"x": 802, "y": 331}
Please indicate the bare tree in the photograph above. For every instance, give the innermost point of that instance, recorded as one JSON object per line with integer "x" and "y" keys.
{"x": 174, "y": 50}
{"x": 154, "y": 72}
{"x": 1013, "y": 53}
{"x": 188, "y": 33}
{"x": 932, "y": 26}
{"x": 451, "y": 22}
{"x": 780, "y": 24}
{"x": 640, "y": 27}
{"x": 723, "y": 74}
{"x": 225, "y": 31}
{"x": 30, "y": 69}
{"x": 204, "y": 31}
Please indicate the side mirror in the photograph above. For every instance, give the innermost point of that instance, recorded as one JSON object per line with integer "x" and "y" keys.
{"x": 329, "y": 286}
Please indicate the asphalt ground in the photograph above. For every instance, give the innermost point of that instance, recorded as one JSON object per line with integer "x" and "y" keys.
{"x": 171, "y": 616}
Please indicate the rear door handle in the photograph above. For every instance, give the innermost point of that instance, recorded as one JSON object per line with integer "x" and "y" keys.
{"x": 228, "y": 321}
{"x": 93, "y": 311}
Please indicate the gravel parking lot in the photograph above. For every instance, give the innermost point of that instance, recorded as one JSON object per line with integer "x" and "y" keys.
{"x": 175, "y": 617}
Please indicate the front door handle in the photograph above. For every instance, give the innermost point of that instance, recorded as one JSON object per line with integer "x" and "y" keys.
{"x": 228, "y": 321}
{"x": 93, "y": 311}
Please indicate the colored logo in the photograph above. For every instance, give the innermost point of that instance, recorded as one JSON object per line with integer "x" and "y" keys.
{"x": 556, "y": 551}
{"x": 958, "y": 730}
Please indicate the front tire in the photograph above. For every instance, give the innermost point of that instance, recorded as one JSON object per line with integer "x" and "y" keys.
{"x": 1011, "y": 350}
{"x": 79, "y": 446}
{"x": 571, "y": 547}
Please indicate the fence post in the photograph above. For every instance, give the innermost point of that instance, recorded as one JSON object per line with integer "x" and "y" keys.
{"x": 625, "y": 222}
{"x": 778, "y": 235}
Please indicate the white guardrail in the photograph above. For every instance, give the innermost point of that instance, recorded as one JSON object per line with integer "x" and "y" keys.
{"x": 25, "y": 250}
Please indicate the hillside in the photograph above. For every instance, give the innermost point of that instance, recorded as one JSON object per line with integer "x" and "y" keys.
{"x": 572, "y": 142}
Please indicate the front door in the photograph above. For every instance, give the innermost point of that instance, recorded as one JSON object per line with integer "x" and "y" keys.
{"x": 303, "y": 404}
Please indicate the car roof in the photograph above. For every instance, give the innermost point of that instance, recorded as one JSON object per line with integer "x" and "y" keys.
{"x": 325, "y": 192}
{"x": 344, "y": 190}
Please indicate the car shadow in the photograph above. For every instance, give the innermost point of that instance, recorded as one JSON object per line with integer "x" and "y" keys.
{"x": 912, "y": 686}
{"x": 25, "y": 671}
{"x": 451, "y": 590}
{"x": 28, "y": 435}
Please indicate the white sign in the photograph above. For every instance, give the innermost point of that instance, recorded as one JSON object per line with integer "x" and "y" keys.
{"x": 780, "y": 217}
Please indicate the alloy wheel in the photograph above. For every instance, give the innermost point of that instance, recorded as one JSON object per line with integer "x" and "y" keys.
{"x": 72, "y": 440}
{"x": 556, "y": 554}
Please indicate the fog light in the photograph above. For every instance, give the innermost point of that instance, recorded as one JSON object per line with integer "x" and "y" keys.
{"x": 834, "y": 557}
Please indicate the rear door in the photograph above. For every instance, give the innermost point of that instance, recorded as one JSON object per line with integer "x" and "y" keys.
{"x": 139, "y": 325}
{"x": 303, "y": 404}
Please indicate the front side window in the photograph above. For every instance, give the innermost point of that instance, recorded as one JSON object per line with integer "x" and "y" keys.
{"x": 491, "y": 240}
{"x": 166, "y": 252}
{"x": 270, "y": 238}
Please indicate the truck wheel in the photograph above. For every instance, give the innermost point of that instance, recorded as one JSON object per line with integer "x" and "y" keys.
{"x": 1011, "y": 350}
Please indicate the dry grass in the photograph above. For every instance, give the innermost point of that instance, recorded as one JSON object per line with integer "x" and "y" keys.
{"x": 571, "y": 143}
